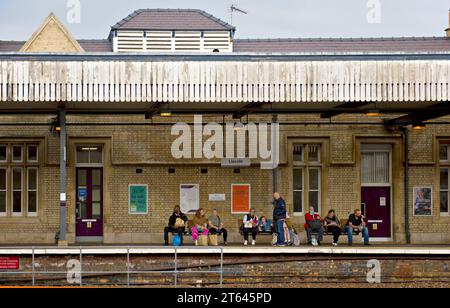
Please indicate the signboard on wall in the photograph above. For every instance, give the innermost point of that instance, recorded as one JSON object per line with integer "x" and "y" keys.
{"x": 240, "y": 198}
{"x": 138, "y": 199}
{"x": 9, "y": 263}
{"x": 217, "y": 197}
{"x": 82, "y": 193}
{"x": 189, "y": 198}
{"x": 236, "y": 162}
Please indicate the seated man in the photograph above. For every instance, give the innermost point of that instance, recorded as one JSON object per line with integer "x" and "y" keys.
{"x": 356, "y": 223}
{"x": 313, "y": 224}
{"x": 215, "y": 226}
{"x": 177, "y": 222}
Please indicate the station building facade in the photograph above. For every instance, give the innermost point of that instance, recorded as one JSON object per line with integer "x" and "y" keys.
{"x": 86, "y": 130}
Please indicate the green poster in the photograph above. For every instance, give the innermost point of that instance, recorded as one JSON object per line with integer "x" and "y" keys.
{"x": 138, "y": 199}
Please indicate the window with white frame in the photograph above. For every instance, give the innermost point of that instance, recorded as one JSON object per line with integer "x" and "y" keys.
{"x": 314, "y": 188}
{"x": 444, "y": 191}
{"x": 375, "y": 168}
{"x": 16, "y": 197}
{"x": 3, "y": 191}
{"x": 444, "y": 152}
{"x": 444, "y": 177}
{"x": 298, "y": 190}
{"x": 32, "y": 153}
{"x": 89, "y": 155}
{"x": 32, "y": 184}
{"x": 19, "y": 179}
{"x": 306, "y": 177}
{"x": 3, "y": 153}
{"x": 17, "y": 153}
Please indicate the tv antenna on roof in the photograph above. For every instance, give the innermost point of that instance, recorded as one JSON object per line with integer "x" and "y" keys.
{"x": 234, "y": 8}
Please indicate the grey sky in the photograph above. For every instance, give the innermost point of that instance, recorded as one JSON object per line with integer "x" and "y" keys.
{"x": 266, "y": 18}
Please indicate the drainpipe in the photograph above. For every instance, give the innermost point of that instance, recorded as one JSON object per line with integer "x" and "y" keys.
{"x": 62, "y": 178}
{"x": 406, "y": 181}
{"x": 274, "y": 145}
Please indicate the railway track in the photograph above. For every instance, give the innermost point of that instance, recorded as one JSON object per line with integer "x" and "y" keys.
{"x": 163, "y": 275}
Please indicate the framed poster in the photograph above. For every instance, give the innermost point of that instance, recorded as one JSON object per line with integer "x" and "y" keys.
{"x": 138, "y": 199}
{"x": 189, "y": 198}
{"x": 240, "y": 198}
{"x": 423, "y": 201}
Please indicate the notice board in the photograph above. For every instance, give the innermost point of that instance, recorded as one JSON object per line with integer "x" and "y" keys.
{"x": 138, "y": 198}
{"x": 240, "y": 198}
{"x": 9, "y": 263}
{"x": 189, "y": 198}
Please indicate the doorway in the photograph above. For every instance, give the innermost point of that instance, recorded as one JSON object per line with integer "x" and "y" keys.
{"x": 89, "y": 194}
{"x": 376, "y": 189}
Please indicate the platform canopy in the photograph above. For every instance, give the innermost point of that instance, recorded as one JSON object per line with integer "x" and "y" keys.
{"x": 225, "y": 84}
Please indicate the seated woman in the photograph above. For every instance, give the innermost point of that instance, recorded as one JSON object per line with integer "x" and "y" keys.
{"x": 200, "y": 223}
{"x": 333, "y": 225}
{"x": 264, "y": 225}
{"x": 250, "y": 224}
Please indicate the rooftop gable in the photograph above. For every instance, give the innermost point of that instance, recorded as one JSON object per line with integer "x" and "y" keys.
{"x": 52, "y": 36}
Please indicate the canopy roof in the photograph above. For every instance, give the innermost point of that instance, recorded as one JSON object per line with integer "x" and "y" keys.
{"x": 226, "y": 84}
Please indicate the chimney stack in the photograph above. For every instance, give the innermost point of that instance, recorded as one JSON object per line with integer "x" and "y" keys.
{"x": 448, "y": 29}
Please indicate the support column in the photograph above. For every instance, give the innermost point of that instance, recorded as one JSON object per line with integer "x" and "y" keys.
{"x": 62, "y": 178}
{"x": 406, "y": 182}
{"x": 274, "y": 147}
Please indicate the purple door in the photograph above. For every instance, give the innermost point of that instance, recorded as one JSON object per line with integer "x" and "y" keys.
{"x": 89, "y": 209}
{"x": 376, "y": 205}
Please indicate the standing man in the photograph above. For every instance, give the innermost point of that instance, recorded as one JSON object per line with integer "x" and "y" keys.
{"x": 177, "y": 222}
{"x": 356, "y": 222}
{"x": 215, "y": 225}
{"x": 279, "y": 218}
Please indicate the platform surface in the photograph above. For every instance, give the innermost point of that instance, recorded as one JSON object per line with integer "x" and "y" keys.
{"x": 256, "y": 250}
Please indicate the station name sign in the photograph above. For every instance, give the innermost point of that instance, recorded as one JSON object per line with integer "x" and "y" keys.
{"x": 236, "y": 162}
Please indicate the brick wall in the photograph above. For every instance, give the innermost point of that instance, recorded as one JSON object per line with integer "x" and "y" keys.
{"x": 129, "y": 147}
